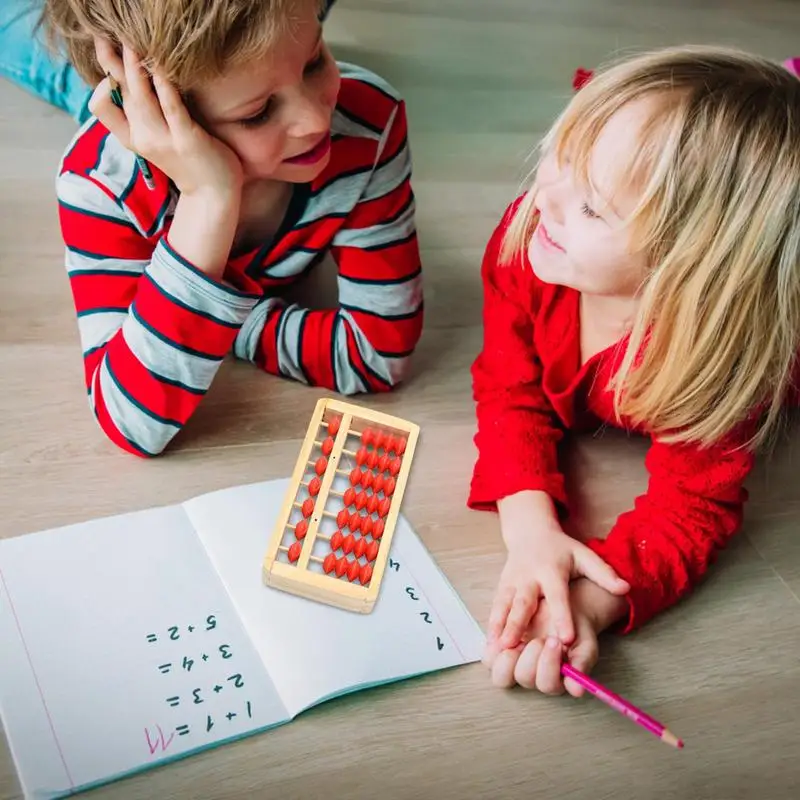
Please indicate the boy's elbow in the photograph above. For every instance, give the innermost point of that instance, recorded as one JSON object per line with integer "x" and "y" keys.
{"x": 394, "y": 371}
{"x": 123, "y": 440}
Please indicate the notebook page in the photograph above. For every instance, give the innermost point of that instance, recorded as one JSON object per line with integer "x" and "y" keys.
{"x": 314, "y": 651}
{"x": 120, "y": 649}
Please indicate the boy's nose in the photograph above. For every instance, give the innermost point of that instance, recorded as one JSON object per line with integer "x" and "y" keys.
{"x": 311, "y": 118}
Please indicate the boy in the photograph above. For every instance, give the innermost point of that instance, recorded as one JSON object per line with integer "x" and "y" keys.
{"x": 25, "y": 62}
{"x": 265, "y": 155}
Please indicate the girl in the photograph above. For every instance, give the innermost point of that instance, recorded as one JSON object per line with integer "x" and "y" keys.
{"x": 648, "y": 279}
{"x": 266, "y": 156}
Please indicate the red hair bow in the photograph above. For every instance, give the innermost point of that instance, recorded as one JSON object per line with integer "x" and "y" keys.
{"x": 582, "y": 76}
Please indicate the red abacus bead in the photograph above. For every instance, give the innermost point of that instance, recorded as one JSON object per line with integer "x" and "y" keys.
{"x": 389, "y": 486}
{"x": 365, "y": 573}
{"x": 336, "y": 540}
{"x": 342, "y": 518}
{"x": 389, "y": 445}
{"x": 383, "y": 462}
{"x": 361, "y": 455}
{"x": 333, "y": 426}
{"x": 377, "y": 530}
{"x": 327, "y": 445}
{"x": 355, "y": 476}
{"x": 360, "y": 548}
{"x": 372, "y": 504}
{"x": 354, "y": 523}
{"x": 353, "y": 570}
{"x": 361, "y": 500}
{"x": 329, "y": 563}
{"x": 366, "y": 525}
{"x": 366, "y": 479}
{"x": 379, "y": 440}
{"x": 377, "y": 484}
{"x": 301, "y": 529}
{"x": 394, "y": 467}
{"x": 294, "y": 551}
{"x": 367, "y": 436}
{"x": 321, "y": 465}
{"x": 401, "y": 447}
{"x": 341, "y": 566}
{"x": 383, "y": 508}
{"x": 349, "y": 497}
{"x": 349, "y": 543}
{"x": 372, "y": 551}
{"x": 372, "y": 460}
{"x": 308, "y": 507}
{"x": 314, "y": 485}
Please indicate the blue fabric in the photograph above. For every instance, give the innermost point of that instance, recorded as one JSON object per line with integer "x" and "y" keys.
{"x": 25, "y": 60}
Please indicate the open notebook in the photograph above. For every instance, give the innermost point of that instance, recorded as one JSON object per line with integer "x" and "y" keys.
{"x": 129, "y": 641}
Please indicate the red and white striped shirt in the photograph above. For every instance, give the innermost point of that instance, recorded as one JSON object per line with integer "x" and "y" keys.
{"x": 154, "y": 330}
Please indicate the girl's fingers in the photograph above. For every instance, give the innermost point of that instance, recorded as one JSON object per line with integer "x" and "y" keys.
{"x": 527, "y": 664}
{"x": 591, "y": 566}
{"x": 526, "y": 601}
{"x": 556, "y": 591}
{"x": 504, "y": 666}
{"x": 499, "y": 613}
{"x": 583, "y": 657}
{"x": 548, "y": 672}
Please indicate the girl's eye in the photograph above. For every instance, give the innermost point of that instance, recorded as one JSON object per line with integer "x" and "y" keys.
{"x": 587, "y": 212}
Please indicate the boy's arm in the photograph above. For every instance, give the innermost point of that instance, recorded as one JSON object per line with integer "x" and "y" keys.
{"x": 154, "y": 329}
{"x": 517, "y": 432}
{"x": 366, "y": 343}
{"x": 691, "y": 510}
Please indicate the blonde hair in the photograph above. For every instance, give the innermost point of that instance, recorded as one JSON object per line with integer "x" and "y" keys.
{"x": 716, "y": 337}
{"x": 189, "y": 41}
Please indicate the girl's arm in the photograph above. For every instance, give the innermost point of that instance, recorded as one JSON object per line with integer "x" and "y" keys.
{"x": 364, "y": 345}
{"x": 154, "y": 328}
{"x": 517, "y": 432}
{"x": 691, "y": 510}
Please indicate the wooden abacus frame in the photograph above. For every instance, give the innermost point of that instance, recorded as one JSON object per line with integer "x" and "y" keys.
{"x": 297, "y": 578}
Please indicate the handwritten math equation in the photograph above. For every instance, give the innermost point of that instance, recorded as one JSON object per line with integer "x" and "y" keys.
{"x": 415, "y": 595}
{"x": 196, "y": 650}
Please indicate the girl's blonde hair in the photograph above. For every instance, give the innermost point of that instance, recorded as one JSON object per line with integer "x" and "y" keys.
{"x": 716, "y": 338}
{"x": 189, "y": 41}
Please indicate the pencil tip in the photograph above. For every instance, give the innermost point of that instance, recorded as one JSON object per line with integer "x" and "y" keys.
{"x": 671, "y": 738}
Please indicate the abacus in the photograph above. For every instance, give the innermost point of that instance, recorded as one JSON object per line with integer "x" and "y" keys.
{"x": 332, "y": 540}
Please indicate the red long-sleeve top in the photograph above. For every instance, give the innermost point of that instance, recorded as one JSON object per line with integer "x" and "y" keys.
{"x": 530, "y": 388}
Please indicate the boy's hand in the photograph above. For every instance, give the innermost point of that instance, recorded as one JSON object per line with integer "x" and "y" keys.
{"x": 541, "y": 563}
{"x": 157, "y": 126}
{"x": 535, "y": 662}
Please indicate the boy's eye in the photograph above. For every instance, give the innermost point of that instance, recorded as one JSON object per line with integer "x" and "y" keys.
{"x": 263, "y": 115}
{"x": 317, "y": 63}
{"x": 259, "y": 118}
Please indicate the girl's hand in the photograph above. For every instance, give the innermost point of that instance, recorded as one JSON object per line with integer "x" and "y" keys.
{"x": 535, "y": 663}
{"x": 541, "y": 563}
{"x": 157, "y": 126}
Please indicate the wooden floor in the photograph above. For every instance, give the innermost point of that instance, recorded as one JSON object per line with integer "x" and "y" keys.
{"x": 482, "y": 80}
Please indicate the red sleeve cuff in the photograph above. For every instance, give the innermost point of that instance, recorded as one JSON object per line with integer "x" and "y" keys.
{"x": 490, "y": 484}
{"x": 642, "y": 606}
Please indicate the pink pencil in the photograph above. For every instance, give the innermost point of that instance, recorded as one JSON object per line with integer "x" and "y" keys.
{"x": 623, "y": 706}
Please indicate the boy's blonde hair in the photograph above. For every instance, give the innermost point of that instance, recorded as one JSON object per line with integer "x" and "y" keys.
{"x": 716, "y": 339}
{"x": 189, "y": 41}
